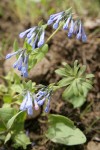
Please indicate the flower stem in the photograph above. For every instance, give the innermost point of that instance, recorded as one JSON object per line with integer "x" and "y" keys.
{"x": 60, "y": 26}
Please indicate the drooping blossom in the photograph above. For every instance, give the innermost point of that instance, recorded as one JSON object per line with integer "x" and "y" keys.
{"x": 21, "y": 63}
{"x": 27, "y": 104}
{"x": 35, "y": 36}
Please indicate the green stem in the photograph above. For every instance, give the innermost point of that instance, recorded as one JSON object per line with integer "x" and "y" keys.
{"x": 60, "y": 26}
{"x": 86, "y": 110}
{"x": 90, "y": 127}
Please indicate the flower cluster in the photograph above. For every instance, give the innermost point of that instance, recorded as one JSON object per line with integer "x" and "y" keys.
{"x": 43, "y": 96}
{"x": 27, "y": 104}
{"x": 73, "y": 26}
{"x": 36, "y": 100}
{"x": 55, "y": 18}
{"x": 22, "y": 62}
{"x": 34, "y": 36}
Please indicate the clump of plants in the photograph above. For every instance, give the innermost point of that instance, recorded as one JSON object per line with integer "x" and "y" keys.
{"x": 22, "y": 96}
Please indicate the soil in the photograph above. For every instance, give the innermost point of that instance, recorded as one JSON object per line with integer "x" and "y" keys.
{"x": 60, "y": 49}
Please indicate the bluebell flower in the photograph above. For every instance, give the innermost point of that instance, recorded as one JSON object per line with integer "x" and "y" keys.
{"x": 51, "y": 20}
{"x": 41, "y": 39}
{"x": 71, "y": 30}
{"x": 32, "y": 32}
{"x": 24, "y": 69}
{"x": 41, "y": 101}
{"x": 56, "y": 24}
{"x": 27, "y": 104}
{"x": 47, "y": 107}
{"x": 18, "y": 62}
{"x": 31, "y": 36}
{"x": 30, "y": 100}
{"x": 34, "y": 36}
{"x": 79, "y": 34}
{"x": 34, "y": 43}
{"x": 13, "y": 54}
{"x": 22, "y": 34}
{"x": 30, "y": 111}
{"x": 41, "y": 93}
{"x": 48, "y": 104}
{"x": 54, "y": 17}
{"x": 76, "y": 27}
{"x": 30, "y": 39}
{"x": 23, "y": 104}
{"x": 24, "y": 72}
{"x": 21, "y": 63}
{"x": 65, "y": 27}
{"x": 84, "y": 37}
{"x": 43, "y": 96}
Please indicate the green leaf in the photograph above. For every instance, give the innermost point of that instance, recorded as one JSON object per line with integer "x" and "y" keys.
{"x": 7, "y": 98}
{"x": 54, "y": 88}
{"x": 16, "y": 79}
{"x": 79, "y": 87}
{"x": 68, "y": 92}
{"x": 2, "y": 126}
{"x": 29, "y": 85}
{"x": 9, "y": 77}
{"x": 24, "y": 84}
{"x": 18, "y": 124}
{"x": 6, "y": 105}
{"x": 77, "y": 101}
{"x": 89, "y": 81}
{"x": 76, "y": 67}
{"x": 65, "y": 81}
{"x": 42, "y": 52}
{"x": 76, "y": 81}
{"x": 75, "y": 63}
{"x": 61, "y": 72}
{"x": 37, "y": 55}
{"x": 27, "y": 46}
{"x": 75, "y": 89}
{"x": 3, "y": 88}
{"x": 59, "y": 118}
{"x": 44, "y": 48}
{"x": 21, "y": 140}
{"x": 89, "y": 76}
{"x": 87, "y": 85}
{"x": 6, "y": 113}
{"x": 32, "y": 62}
{"x": 7, "y": 138}
{"x": 82, "y": 70}
{"x": 69, "y": 70}
{"x": 11, "y": 121}
{"x": 15, "y": 45}
{"x": 2, "y": 137}
{"x": 61, "y": 131}
{"x": 85, "y": 91}
{"x": 16, "y": 88}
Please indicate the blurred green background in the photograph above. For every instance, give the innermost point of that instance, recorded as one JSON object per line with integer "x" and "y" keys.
{"x": 34, "y": 8}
